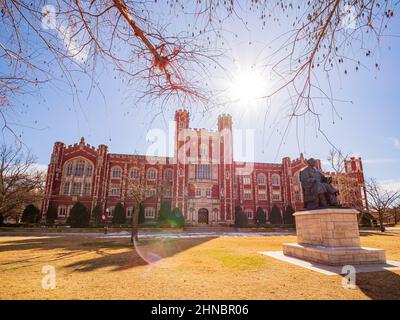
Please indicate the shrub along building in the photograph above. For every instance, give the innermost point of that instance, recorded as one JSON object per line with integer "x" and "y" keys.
{"x": 201, "y": 178}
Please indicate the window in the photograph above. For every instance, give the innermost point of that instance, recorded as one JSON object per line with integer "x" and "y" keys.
{"x": 181, "y": 172}
{"x": 246, "y": 180}
{"x": 276, "y": 180}
{"x": 135, "y": 173}
{"x": 168, "y": 175}
{"x": 247, "y": 194}
{"x": 168, "y": 193}
{"x": 150, "y": 193}
{"x": 276, "y": 195}
{"x": 149, "y": 213}
{"x": 115, "y": 191}
{"x": 66, "y": 188}
{"x": 262, "y": 195}
{"x": 62, "y": 211}
{"x": 151, "y": 174}
{"x": 261, "y": 179}
{"x": 203, "y": 171}
{"x": 204, "y": 150}
{"x": 208, "y": 193}
{"x": 116, "y": 172}
{"x": 110, "y": 212}
{"x": 249, "y": 213}
{"x": 198, "y": 192}
{"x": 79, "y": 168}
{"x": 89, "y": 171}
{"x": 86, "y": 189}
{"x": 129, "y": 212}
{"x": 69, "y": 169}
{"x": 76, "y": 188}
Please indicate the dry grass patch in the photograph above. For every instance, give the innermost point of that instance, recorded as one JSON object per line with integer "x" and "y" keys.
{"x": 205, "y": 268}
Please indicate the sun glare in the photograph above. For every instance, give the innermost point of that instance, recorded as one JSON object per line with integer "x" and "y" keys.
{"x": 247, "y": 86}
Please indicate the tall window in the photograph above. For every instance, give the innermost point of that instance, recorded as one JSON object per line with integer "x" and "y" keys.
{"x": 249, "y": 213}
{"x": 79, "y": 168}
{"x": 203, "y": 171}
{"x": 208, "y": 193}
{"x": 62, "y": 211}
{"x": 115, "y": 191}
{"x": 69, "y": 169}
{"x": 86, "y": 189}
{"x": 168, "y": 175}
{"x": 261, "y": 179}
{"x": 276, "y": 180}
{"x": 66, "y": 188}
{"x": 116, "y": 172}
{"x": 149, "y": 213}
{"x": 151, "y": 174}
{"x": 198, "y": 192}
{"x": 129, "y": 211}
{"x": 135, "y": 173}
{"x": 89, "y": 171}
{"x": 76, "y": 188}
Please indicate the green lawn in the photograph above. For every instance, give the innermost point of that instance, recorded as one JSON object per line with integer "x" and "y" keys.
{"x": 206, "y": 268}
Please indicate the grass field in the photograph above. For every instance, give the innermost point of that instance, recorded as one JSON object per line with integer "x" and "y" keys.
{"x": 207, "y": 268}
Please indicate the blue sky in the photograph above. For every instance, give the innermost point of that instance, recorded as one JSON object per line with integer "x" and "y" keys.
{"x": 369, "y": 126}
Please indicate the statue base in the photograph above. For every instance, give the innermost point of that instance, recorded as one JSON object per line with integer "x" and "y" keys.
{"x": 331, "y": 236}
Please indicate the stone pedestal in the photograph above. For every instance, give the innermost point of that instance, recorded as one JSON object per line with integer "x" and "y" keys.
{"x": 331, "y": 236}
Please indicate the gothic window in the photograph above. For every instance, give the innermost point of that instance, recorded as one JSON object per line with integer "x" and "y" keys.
{"x": 151, "y": 174}
{"x": 276, "y": 180}
{"x": 135, "y": 173}
{"x": 203, "y": 171}
{"x": 208, "y": 193}
{"x": 69, "y": 169}
{"x": 89, "y": 171}
{"x": 261, "y": 179}
{"x": 76, "y": 188}
{"x": 79, "y": 168}
{"x": 66, "y": 188}
{"x": 198, "y": 192}
{"x": 86, "y": 189}
{"x": 168, "y": 175}
{"x": 116, "y": 172}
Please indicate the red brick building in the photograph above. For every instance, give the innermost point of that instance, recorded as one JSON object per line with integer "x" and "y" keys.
{"x": 201, "y": 178}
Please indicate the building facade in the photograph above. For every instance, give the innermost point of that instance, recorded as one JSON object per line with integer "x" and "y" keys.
{"x": 201, "y": 178}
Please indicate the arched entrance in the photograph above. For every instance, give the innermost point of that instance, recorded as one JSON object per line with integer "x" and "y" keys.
{"x": 203, "y": 216}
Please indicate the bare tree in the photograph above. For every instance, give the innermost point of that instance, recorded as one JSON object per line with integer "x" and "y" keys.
{"x": 139, "y": 191}
{"x": 381, "y": 199}
{"x": 337, "y": 159}
{"x": 20, "y": 183}
{"x": 77, "y": 36}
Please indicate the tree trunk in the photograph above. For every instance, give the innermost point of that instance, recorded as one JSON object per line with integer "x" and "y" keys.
{"x": 381, "y": 222}
{"x": 135, "y": 224}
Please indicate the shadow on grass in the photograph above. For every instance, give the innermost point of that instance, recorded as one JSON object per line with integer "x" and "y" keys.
{"x": 144, "y": 252}
{"x": 384, "y": 285}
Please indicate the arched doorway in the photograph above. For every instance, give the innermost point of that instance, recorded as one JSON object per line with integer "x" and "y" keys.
{"x": 203, "y": 216}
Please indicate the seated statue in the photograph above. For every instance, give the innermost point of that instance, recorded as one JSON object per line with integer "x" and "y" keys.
{"x": 318, "y": 191}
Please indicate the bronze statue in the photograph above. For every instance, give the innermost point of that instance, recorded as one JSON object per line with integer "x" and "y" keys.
{"x": 318, "y": 191}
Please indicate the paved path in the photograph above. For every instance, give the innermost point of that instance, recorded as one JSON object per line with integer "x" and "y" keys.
{"x": 152, "y": 235}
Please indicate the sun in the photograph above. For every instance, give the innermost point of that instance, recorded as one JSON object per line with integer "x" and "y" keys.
{"x": 247, "y": 85}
